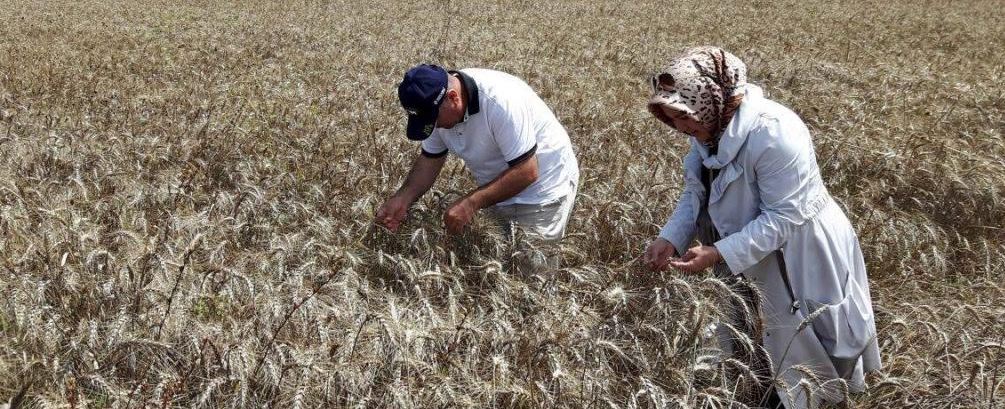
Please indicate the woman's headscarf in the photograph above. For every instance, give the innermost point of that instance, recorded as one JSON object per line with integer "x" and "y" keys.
{"x": 704, "y": 82}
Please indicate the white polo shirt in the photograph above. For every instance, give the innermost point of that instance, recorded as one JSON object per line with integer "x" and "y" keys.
{"x": 508, "y": 123}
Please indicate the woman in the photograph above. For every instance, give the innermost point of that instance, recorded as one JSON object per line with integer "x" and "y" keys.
{"x": 755, "y": 201}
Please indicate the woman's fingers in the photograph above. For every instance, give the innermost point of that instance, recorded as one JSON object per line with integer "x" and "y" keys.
{"x": 659, "y": 262}
{"x": 692, "y": 261}
{"x": 666, "y": 257}
{"x": 653, "y": 256}
{"x": 689, "y": 266}
{"x": 659, "y": 254}
{"x": 690, "y": 254}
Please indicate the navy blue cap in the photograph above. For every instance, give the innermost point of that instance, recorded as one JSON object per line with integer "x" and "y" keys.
{"x": 421, "y": 92}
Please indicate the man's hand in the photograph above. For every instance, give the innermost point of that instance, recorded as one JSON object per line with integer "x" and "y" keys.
{"x": 424, "y": 172}
{"x": 393, "y": 212}
{"x": 459, "y": 215}
{"x": 697, "y": 258}
{"x": 658, "y": 254}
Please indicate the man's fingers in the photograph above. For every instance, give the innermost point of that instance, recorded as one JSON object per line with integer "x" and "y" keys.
{"x": 390, "y": 224}
{"x": 386, "y": 215}
{"x": 450, "y": 223}
{"x": 389, "y": 221}
{"x": 400, "y": 213}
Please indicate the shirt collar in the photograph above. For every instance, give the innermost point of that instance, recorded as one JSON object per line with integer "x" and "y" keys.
{"x": 736, "y": 132}
{"x": 473, "y": 106}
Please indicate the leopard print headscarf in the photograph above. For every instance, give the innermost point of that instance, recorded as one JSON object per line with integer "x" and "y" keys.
{"x": 704, "y": 82}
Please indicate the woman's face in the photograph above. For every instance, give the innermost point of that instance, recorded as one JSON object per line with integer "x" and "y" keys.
{"x": 687, "y": 124}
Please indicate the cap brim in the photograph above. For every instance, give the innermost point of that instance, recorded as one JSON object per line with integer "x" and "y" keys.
{"x": 420, "y": 126}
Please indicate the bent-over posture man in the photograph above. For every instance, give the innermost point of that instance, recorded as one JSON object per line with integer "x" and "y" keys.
{"x": 518, "y": 152}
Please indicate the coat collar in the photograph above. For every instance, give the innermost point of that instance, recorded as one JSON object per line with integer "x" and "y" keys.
{"x": 736, "y": 132}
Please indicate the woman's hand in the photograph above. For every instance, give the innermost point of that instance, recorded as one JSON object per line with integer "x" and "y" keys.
{"x": 658, "y": 254}
{"x": 697, "y": 259}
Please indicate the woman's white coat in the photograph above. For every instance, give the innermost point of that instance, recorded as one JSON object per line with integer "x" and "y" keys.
{"x": 769, "y": 196}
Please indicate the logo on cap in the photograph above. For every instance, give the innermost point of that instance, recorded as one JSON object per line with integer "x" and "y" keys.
{"x": 440, "y": 96}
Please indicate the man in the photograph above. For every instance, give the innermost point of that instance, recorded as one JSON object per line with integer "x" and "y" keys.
{"x": 519, "y": 154}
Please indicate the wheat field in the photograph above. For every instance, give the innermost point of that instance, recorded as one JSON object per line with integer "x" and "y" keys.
{"x": 186, "y": 195}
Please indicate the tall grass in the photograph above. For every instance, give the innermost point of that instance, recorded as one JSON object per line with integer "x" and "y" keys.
{"x": 186, "y": 194}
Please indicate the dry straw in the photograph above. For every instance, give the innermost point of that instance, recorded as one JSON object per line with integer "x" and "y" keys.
{"x": 186, "y": 193}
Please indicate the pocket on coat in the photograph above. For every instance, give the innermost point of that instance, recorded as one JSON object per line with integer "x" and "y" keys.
{"x": 727, "y": 175}
{"x": 844, "y": 328}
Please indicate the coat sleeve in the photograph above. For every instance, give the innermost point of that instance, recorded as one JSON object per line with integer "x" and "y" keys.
{"x": 790, "y": 188}
{"x": 680, "y": 229}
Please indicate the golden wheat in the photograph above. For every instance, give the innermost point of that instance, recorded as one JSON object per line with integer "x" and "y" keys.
{"x": 186, "y": 193}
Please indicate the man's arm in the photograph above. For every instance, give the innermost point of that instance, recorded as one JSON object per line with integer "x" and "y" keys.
{"x": 508, "y": 184}
{"x": 424, "y": 171}
{"x": 420, "y": 179}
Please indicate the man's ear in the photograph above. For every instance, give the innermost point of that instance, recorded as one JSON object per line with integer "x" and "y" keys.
{"x": 454, "y": 95}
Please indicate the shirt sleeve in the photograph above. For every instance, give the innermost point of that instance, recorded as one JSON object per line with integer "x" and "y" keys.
{"x": 433, "y": 146}
{"x": 512, "y": 126}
